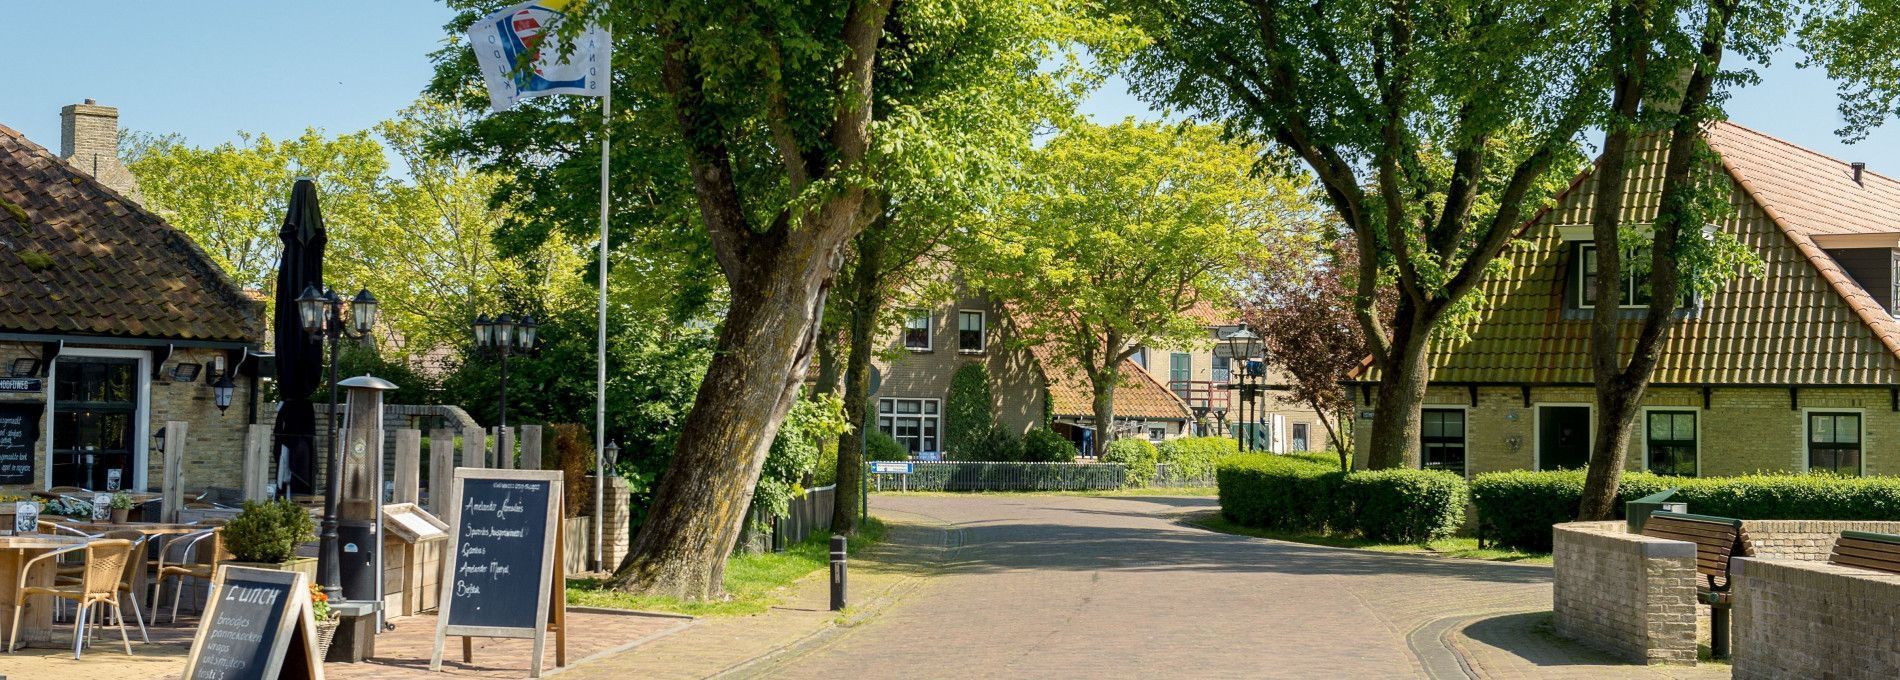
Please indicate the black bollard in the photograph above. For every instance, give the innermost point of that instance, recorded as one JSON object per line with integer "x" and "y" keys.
{"x": 837, "y": 572}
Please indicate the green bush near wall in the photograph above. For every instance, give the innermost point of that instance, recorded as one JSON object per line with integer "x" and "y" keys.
{"x": 1299, "y": 494}
{"x": 1135, "y": 454}
{"x": 1043, "y": 445}
{"x": 1516, "y": 509}
{"x": 1194, "y": 457}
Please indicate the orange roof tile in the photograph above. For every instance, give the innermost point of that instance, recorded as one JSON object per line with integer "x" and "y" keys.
{"x": 1139, "y": 396}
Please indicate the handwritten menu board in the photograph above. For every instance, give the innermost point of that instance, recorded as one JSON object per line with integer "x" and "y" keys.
{"x": 19, "y": 436}
{"x": 503, "y": 577}
{"x": 257, "y": 625}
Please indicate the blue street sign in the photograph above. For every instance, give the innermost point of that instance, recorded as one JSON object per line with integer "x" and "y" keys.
{"x": 890, "y": 468}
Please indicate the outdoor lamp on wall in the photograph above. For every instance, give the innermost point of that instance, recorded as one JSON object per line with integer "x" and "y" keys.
{"x": 185, "y": 372}
{"x": 25, "y": 367}
{"x": 221, "y": 392}
{"x": 612, "y": 457}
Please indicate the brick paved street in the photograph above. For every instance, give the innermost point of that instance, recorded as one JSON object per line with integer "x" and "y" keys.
{"x": 1064, "y": 586}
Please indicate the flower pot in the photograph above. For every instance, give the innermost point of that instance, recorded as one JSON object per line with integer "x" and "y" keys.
{"x": 119, "y": 515}
{"x": 306, "y": 565}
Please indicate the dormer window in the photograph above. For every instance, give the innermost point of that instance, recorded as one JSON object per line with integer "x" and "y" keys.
{"x": 1634, "y": 288}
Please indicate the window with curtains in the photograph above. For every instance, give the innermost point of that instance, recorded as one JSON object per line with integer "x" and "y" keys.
{"x": 1671, "y": 437}
{"x": 1834, "y": 442}
{"x": 917, "y": 330}
{"x": 1442, "y": 439}
{"x": 970, "y": 331}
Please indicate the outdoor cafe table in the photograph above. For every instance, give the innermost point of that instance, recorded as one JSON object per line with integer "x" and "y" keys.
{"x": 36, "y": 619}
{"x": 160, "y": 532}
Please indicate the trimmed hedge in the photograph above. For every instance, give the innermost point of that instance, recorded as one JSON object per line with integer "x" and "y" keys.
{"x": 1043, "y": 445}
{"x": 1298, "y": 494}
{"x": 1135, "y": 454}
{"x": 1194, "y": 457}
{"x": 1516, "y": 509}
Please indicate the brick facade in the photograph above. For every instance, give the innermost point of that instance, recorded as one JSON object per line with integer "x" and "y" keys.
{"x": 1631, "y": 596}
{"x": 1020, "y": 400}
{"x": 89, "y": 140}
{"x": 1804, "y": 619}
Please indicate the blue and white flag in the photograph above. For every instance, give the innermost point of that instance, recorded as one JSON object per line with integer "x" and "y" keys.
{"x": 500, "y": 40}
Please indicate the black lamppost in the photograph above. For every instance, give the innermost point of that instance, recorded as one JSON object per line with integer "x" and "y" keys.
{"x": 1244, "y": 347}
{"x": 323, "y": 315}
{"x": 502, "y": 335}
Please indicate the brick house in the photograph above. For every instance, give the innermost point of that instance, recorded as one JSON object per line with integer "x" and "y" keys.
{"x": 1032, "y": 386}
{"x": 1797, "y": 369}
{"x": 1201, "y": 379}
{"x": 112, "y": 323}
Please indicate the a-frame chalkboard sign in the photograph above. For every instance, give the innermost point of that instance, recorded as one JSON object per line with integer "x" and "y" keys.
{"x": 257, "y": 625}
{"x": 505, "y": 574}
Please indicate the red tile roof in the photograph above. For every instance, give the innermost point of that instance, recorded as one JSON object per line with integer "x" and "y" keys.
{"x": 79, "y": 258}
{"x": 1139, "y": 396}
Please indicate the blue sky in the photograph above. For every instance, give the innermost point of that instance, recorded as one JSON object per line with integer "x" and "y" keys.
{"x": 209, "y": 69}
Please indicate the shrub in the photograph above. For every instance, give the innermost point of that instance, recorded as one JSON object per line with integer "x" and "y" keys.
{"x": 880, "y": 446}
{"x": 1137, "y": 455}
{"x": 1194, "y": 457}
{"x": 1298, "y": 494}
{"x": 999, "y": 445}
{"x": 268, "y": 531}
{"x": 1043, "y": 445}
{"x": 968, "y": 419}
{"x": 1517, "y": 509}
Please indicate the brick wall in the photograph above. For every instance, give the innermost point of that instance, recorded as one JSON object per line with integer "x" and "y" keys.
{"x": 89, "y": 140}
{"x": 1628, "y": 595}
{"x": 1799, "y": 539}
{"x": 617, "y": 539}
{"x": 1798, "y": 619}
{"x": 1015, "y": 383}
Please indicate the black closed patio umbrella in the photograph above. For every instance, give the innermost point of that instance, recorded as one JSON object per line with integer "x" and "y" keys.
{"x": 299, "y": 354}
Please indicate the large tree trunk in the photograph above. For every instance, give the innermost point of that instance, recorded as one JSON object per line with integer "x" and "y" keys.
{"x": 763, "y": 351}
{"x": 1104, "y": 383}
{"x": 1402, "y": 379}
{"x": 867, "y": 302}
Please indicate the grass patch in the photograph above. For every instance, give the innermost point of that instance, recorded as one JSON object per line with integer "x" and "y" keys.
{"x": 754, "y": 583}
{"x": 1460, "y": 547}
{"x": 1096, "y": 493}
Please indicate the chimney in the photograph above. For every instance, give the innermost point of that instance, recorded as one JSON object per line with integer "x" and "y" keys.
{"x": 89, "y": 140}
{"x": 1859, "y": 167}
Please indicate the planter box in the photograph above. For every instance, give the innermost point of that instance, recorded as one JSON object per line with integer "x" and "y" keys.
{"x": 305, "y": 565}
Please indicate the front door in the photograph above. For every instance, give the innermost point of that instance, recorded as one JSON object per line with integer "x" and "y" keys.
{"x": 1563, "y": 437}
{"x": 95, "y": 423}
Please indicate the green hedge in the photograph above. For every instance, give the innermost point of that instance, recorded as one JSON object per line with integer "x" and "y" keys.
{"x": 1135, "y": 454}
{"x": 1194, "y": 457}
{"x": 1517, "y": 509}
{"x": 1297, "y": 494}
{"x": 1043, "y": 445}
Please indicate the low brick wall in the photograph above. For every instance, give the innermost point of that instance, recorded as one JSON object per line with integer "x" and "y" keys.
{"x": 1629, "y": 595}
{"x": 1804, "y": 539}
{"x": 1804, "y": 619}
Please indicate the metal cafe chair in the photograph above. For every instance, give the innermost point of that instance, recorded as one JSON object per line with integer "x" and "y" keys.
{"x": 105, "y": 567}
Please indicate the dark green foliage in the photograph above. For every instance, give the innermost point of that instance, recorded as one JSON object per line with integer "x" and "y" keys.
{"x": 880, "y": 446}
{"x": 1135, "y": 454}
{"x": 999, "y": 444}
{"x": 1516, "y": 509}
{"x": 1298, "y": 494}
{"x": 268, "y": 531}
{"x": 353, "y": 359}
{"x": 1043, "y": 445}
{"x": 988, "y": 476}
{"x": 1194, "y": 457}
{"x": 968, "y": 414}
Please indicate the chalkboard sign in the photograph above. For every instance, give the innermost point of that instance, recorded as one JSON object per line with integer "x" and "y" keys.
{"x": 258, "y": 625}
{"x": 503, "y": 576}
{"x": 19, "y": 436}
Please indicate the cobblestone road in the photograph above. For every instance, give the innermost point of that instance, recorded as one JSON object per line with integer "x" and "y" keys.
{"x": 1063, "y": 586}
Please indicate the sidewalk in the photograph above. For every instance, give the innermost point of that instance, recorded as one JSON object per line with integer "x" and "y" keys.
{"x": 733, "y": 646}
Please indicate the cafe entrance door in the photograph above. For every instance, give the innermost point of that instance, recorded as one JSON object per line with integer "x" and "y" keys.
{"x": 99, "y": 409}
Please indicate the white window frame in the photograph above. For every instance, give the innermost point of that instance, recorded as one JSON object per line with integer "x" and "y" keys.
{"x": 1806, "y": 422}
{"x": 1157, "y": 433}
{"x": 1699, "y": 415}
{"x": 1630, "y": 285}
{"x": 142, "y": 415}
{"x": 930, "y": 327}
{"x": 1537, "y": 428}
{"x": 937, "y": 416}
{"x": 982, "y": 331}
{"x": 1421, "y": 431}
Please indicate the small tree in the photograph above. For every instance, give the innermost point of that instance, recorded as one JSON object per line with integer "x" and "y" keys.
{"x": 968, "y": 414}
{"x": 1305, "y": 317}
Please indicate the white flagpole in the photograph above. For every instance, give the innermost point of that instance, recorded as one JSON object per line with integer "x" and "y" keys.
{"x": 600, "y": 345}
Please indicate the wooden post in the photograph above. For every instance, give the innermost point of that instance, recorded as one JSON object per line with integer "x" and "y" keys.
{"x": 531, "y": 447}
{"x": 172, "y": 492}
{"x": 257, "y": 460}
{"x": 474, "y": 448}
{"x": 408, "y": 466}
{"x": 441, "y": 467}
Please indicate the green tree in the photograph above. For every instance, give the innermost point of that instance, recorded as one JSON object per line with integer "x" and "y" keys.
{"x": 1433, "y": 129}
{"x": 969, "y": 413}
{"x": 1116, "y": 232}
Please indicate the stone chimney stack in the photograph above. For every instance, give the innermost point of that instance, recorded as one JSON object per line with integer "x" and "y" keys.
{"x": 89, "y": 140}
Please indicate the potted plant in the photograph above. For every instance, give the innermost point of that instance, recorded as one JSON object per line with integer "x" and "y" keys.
{"x": 265, "y": 535}
{"x": 121, "y": 506}
{"x": 326, "y": 621}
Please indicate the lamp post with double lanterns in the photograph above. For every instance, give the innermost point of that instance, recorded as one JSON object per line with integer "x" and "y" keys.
{"x": 504, "y": 335}
{"x": 1245, "y": 347}
{"x": 323, "y": 315}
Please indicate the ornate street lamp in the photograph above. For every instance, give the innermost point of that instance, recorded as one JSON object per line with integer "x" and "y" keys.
{"x": 504, "y": 334}
{"x": 1244, "y": 346}
{"x": 323, "y": 315}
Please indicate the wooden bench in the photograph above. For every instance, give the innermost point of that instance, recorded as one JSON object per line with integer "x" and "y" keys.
{"x": 1867, "y": 550}
{"x": 1716, "y": 540}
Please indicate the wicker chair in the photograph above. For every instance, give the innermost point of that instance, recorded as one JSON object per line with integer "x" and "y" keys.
{"x": 201, "y": 567}
{"x": 132, "y": 566}
{"x": 105, "y": 568}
